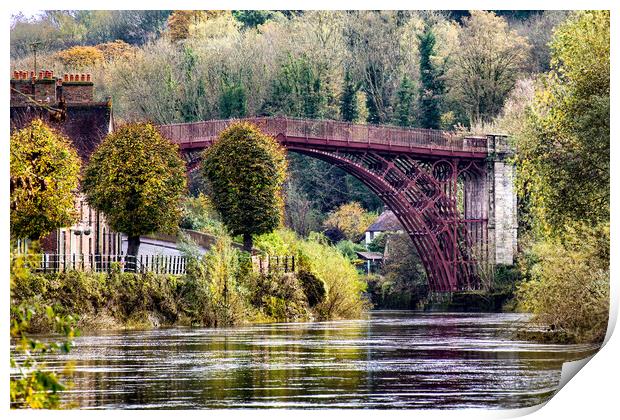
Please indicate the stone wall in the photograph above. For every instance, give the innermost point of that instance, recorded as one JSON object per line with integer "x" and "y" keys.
{"x": 502, "y": 225}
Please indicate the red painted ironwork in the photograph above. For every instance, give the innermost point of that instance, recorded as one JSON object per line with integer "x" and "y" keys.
{"x": 434, "y": 181}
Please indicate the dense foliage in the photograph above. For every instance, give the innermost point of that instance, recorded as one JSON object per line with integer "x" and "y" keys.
{"x": 397, "y": 67}
{"x": 136, "y": 178}
{"x": 563, "y": 167}
{"x": 245, "y": 170}
{"x": 568, "y": 287}
{"x": 402, "y": 282}
{"x": 343, "y": 284}
{"x": 219, "y": 289}
{"x": 45, "y": 170}
{"x": 564, "y": 155}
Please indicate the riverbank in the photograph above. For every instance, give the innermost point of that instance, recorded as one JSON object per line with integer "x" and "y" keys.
{"x": 219, "y": 289}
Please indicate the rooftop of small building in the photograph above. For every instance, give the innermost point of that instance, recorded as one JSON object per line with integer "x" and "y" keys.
{"x": 369, "y": 256}
{"x": 386, "y": 222}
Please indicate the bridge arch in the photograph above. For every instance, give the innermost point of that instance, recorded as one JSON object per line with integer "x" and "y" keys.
{"x": 436, "y": 184}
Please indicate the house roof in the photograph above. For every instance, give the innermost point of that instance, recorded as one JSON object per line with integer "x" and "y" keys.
{"x": 386, "y": 222}
{"x": 85, "y": 124}
{"x": 372, "y": 256}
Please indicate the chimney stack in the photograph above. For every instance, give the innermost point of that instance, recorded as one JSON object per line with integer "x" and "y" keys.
{"x": 78, "y": 89}
{"x": 73, "y": 88}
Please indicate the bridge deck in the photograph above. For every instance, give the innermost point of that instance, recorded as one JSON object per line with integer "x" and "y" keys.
{"x": 336, "y": 135}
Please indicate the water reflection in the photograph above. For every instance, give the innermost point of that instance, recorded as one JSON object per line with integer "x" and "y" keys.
{"x": 394, "y": 359}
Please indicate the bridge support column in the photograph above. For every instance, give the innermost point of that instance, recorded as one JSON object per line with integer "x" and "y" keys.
{"x": 502, "y": 203}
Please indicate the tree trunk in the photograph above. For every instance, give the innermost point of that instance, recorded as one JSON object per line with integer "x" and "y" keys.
{"x": 247, "y": 242}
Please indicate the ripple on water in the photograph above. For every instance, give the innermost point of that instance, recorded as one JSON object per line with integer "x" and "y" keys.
{"x": 394, "y": 359}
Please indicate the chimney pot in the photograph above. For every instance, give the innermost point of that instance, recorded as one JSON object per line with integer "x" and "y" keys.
{"x": 32, "y": 74}
{"x": 71, "y": 77}
{"x": 40, "y": 75}
{"x": 88, "y": 77}
{"x": 83, "y": 77}
{"x": 65, "y": 77}
{"x": 15, "y": 75}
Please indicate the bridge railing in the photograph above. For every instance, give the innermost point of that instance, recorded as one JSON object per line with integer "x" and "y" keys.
{"x": 330, "y": 130}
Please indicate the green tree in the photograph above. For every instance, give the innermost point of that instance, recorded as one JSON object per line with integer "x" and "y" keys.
{"x": 45, "y": 171}
{"x": 564, "y": 159}
{"x": 137, "y": 179}
{"x": 431, "y": 85}
{"x": 246, "y": 170}
{"x": 233, "y": 101}
{"x": 253, "y": 18}
{"x": 348, "y": 99}
{"x": 487, "y": 64}
{"x": 298, "y": 90}
{"x": 404, "y": 103}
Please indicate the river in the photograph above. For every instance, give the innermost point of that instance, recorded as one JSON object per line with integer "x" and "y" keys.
{"x": 394, "y": 359}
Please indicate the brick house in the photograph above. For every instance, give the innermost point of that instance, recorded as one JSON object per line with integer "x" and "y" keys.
{"x": 67, "y": 105}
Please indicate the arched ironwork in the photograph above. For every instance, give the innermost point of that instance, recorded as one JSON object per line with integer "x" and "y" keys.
{"x": 433, "y": 181}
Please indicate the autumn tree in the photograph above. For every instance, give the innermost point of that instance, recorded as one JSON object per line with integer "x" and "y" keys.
{"x": 44, "y": 177}
{"x": 115, "y": 50}
{"x": 246, "y": 170}
{"x": 137, "y": 179}
{"x": 487, "y": 64}
{"x": 564, "y": 160}
{"x": 80, "y": 57}
{"x": 351, "y": 219}
{"x": 181, "y": 21}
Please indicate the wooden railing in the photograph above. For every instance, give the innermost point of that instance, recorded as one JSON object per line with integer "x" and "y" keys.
{"x": 266, "y": 264}
{"x": 328, "y": 130}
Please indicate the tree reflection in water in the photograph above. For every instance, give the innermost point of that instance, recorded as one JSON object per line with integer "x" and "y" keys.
{"x": 395, "y": 359}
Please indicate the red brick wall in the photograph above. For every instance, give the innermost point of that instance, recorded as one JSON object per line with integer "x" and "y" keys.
{"x": 77, "y": 92}
{"x": 45, "y": 91}
{"x": 22, "y": 86}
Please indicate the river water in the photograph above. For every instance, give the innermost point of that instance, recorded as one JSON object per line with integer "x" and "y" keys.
{"x": 394, "y": 359}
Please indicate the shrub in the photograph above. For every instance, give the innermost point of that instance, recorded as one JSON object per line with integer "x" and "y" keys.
{"x": 349, "y": 249}
{"x": 343, "y": 284}
{"x": 280, "y": 297}
{"x": 221, "y": 300}
{"x": 313, "y": 286}
{"x": 568, "y": 283}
